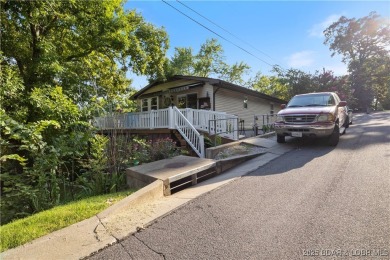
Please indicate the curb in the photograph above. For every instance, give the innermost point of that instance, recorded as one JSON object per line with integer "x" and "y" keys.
{"x": 152, "y": 191}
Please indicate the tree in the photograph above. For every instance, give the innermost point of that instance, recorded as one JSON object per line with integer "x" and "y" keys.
{"x": 209, "y": 61}
{"x": 85, "y": 47}
{"x": 270, "y": 85}
{"x": 362, "y": 43}
{"x": 182, "y": 62}
{"x": 327, "y": 81}
{"x": 295, "y": 81}
{"x": 234, "y": 73}
{"x": 379, "y": 71}
{"x": 60, "y": 62}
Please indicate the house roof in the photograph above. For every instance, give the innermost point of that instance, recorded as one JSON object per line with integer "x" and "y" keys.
{"x": 180, "y": 80}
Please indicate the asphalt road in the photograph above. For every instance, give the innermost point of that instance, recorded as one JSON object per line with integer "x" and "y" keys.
{"x": 315, "y": 202}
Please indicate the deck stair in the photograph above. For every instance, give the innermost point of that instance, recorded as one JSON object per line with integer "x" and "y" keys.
{"x": 181, "y": 140}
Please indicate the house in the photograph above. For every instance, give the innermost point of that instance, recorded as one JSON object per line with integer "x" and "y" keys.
{"x": 208, "y": 94}
{"x": 193, "y": 105}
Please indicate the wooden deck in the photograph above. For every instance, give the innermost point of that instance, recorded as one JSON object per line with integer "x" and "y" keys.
{"x": 190, "y": 123}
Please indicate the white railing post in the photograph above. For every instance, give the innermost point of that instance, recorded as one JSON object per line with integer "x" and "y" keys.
{"x": 201, "y": 144}
{"x": 151, "y": 119}
{"x": 189, "y": 115}
{"x": 235, "y": 129}
{"x": 171, "y": 119}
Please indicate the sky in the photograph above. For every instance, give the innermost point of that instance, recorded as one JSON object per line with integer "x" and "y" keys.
{"x": 258, "y": 33}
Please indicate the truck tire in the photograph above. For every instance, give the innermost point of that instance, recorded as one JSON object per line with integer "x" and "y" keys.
{"x": 280, "y": 139}
{"x": 334, "y": 137}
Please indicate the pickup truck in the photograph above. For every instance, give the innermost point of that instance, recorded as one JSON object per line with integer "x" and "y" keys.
{"x": 316, "y": 115}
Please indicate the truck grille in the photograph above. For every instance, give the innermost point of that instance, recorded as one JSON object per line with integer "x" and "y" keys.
{"x": 299, "y": 118}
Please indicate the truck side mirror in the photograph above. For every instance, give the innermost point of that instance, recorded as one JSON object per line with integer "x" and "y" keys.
{"x": 283, "y": 106}
{"x": 342, "y": 103}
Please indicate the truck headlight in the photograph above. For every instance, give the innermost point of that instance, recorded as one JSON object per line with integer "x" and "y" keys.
{"x": 325, "y": 118}
{"x": 279, "y": 119}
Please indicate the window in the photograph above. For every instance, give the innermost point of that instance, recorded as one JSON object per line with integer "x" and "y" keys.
{"x": 154, "y": 103}
{"x": 181, "y": 101}
{"x": 145, "y": 105}
{"x": 149, "y": 104}
{"x": 187, "y": 101}
{"x": 192, "y": 101}
{"x": 311, "y": 100}
{"x": 272, "y": 109}
{"x": 331, "y": 101}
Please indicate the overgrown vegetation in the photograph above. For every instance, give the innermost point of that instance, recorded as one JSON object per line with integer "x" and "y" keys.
{"x": 27, "y": 229}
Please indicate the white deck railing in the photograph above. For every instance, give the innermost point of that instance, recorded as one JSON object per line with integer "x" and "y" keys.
{"x": 189, "y": 132}
{"x": 138, "y": 120}
{"x": 222, "y": 124}
{"x": 212, "y": 122}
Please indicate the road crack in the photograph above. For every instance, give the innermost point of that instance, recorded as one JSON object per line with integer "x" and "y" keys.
{"x": 209, "y": 214}
{"x": 149, "y": 247}
{"x": 95, "y": 231}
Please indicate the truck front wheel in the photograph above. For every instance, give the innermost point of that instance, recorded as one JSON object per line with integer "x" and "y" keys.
{"x": 280, "y": 139}
{"x": 334, "y": 137}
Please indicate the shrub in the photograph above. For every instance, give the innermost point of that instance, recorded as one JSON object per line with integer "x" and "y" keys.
{"x": 162, "y": 149}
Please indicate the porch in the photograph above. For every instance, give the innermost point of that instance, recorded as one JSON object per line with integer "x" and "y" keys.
{"x": 190, "y": 123}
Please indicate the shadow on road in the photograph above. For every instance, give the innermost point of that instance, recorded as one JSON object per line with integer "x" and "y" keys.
{"x": 305, "y": 150}
{"x": 367, "y": 130}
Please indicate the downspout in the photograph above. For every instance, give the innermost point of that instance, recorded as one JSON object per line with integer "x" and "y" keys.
{"x": 214, "y": 97}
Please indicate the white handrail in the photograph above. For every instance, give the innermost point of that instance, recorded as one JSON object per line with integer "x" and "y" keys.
{"x": 225, "y": 125}
{"x": 137, "y": 120}
{"x": 189, "y": 132}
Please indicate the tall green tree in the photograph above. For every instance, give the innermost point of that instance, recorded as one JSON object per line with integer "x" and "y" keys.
{"x": 270, "y": 85}
{"x": 208, "y": 62}
{"x": 182, "y": 63}
{"x": 60, "y": 62}
{"x": 362, "y": 43}
{"x": 295, "y": 81}
{"x": 86, "y": 47}
{"x": 234, "y": 73}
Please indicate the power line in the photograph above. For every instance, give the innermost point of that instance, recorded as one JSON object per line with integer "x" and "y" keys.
{"x": 250, "y": 45}
{"x": 217, "y": 33}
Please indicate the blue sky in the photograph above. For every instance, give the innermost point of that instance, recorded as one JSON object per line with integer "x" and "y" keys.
{"x": 287, "y": 33}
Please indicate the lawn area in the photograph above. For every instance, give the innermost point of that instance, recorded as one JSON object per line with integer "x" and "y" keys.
{"x": 27, "y": 229}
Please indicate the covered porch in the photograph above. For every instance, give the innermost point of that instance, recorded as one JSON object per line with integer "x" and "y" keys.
{"x": 190, "y": 123}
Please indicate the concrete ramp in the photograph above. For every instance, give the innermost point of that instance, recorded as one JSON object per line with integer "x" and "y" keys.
{"x": 176, "y": 173}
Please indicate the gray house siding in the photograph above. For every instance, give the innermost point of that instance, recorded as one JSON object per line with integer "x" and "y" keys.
{"x": 233, "y": 103}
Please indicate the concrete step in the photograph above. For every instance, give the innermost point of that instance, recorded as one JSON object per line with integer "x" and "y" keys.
{"x": 176, "y": 173}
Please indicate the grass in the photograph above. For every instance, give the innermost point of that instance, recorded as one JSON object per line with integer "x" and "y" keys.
{"x": 27, "y": 229}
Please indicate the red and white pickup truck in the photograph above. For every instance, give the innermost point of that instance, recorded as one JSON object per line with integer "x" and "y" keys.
{"x": 320, "y": 114}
